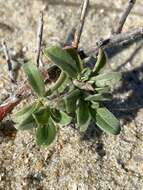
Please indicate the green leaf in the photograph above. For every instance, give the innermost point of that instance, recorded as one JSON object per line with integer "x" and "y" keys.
{"x": 105, "y": 120}
{"x": 60, "y": 117}
{"x": 26, "y": 126}
{"x": 42, "y": 115}
{"x": 99, "y": 97}
{"x": 35, "y": 78}
{"x": 83, "y": 85}
{"x": 45, "y": 134}
{"x": 63, "y": 60}
{"x": 64, "y": 86}
{"x": 83, "y": 116}
{"x": 107, "y": 79}
{"x": 27, "y": 122}
{"x": 24, "y": 119}
{"x": 62, "y": 78}
{"x": 74, "y": 54}
{"x": 101, "y": 61}
{"x": 102, "y": 90}
{"x": 94, "y": 105}
{"x": 71, "y": 99}
{"x": 27, "y": 110}
{"x": 84, "y": 76}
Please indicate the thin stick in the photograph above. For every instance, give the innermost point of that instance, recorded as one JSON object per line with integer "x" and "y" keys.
{"x": 81, "y": 23}
{"x": 119, "y": 40}
{"x": 129, "y": 109}
{"x": 124, "y": 16}
{"x": 9, "y": 63}
{"x": 39, "y": 38}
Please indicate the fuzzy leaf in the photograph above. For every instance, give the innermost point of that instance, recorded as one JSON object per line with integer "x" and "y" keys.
{"x": 99, "y": 97}
{"x": 60, "y": 81}
{"x": 83, "y": 85}
{"x": 27, "y": 110}
{"x": 35, "y": 78}
{"x": 85, "y": 74}
{"x": 108, "y": 79}
{"x": 42, "y": 115}
{"x": 60, "y": 117}
{"x": 22, "y": 125}
{"x": 45, "y": 134}
{"x": 102, "y": 90}
{"x": 26, "y": 126}
{"x": 73, "y": 53}
{"x": 107, "y": 121}
{"x": 83, "y": 116}
{"x": 71, "y": 99}
{"x": 24, "y": 119}
{"x": 63, "y": 60}
{"x": 94, "y": 105}
{"x": 101, "y": 61}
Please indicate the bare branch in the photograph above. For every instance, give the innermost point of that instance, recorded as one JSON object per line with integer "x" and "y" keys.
{"x": 128, "y": 109}
{"x": 39, "y": 38}
{"x": 119, "y": 40}
{"x": 9, "y": 63}
{"x": 124, "y": 16}
{"x": 81, "y": 23}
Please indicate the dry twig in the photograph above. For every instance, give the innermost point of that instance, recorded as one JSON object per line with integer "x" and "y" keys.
{"x": 119, "y": 40}
{"x": 124, "y": 16}
{"x": 9, "y": 63}
{"x": 39, "y": 38}
{"x": 81, "y": 23}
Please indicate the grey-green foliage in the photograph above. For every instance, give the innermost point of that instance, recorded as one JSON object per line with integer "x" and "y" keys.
{"x": 82, "y": 102}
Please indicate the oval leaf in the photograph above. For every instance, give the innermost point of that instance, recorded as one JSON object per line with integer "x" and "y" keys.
{"x": 71, "y": 99}
{"x": 60, "y": 117}
{"x": 107, "y": 121}
{"x": 27, "y": 110}
{"x": 102, "y": 90}
{"x": 74, "y": 54}
{"x": 108, "y": 79}
{"x": 94, "y": 105}
{"x": 63, "y": 60}
{"x": 83, "y": 116}
{"x": 24, "y": 119}
{"x": 35, "y": 78}
{"x": 99, "y": 97}
{"x": 26, "y": 126}
{"x": 46, "y": 134}
{"x": 42, "y": 115}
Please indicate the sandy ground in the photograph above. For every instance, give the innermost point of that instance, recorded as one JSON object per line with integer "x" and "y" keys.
{"x": 74, "y": 162}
